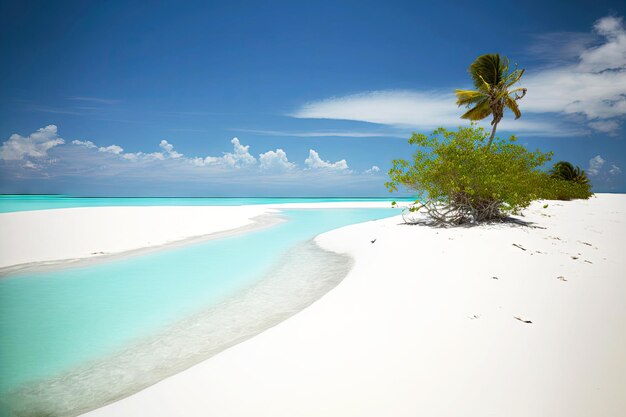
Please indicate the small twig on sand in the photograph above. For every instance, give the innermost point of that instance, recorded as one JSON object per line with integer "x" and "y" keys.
{"x": 519, "y": 246}
{"x": 522, "y": 320}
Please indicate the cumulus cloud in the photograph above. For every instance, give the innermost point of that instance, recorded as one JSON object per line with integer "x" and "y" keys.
{"x": 595, "y": 165}
{"x": 36, "y": 145}
{"x": 169, "y": 149}
{"x": 86, "y": 143}
{"x": 83, "y": 162}
{"x": 615, "y": 170}
{"x": 315, "y": 162}
{"x": 591, "y": 83}
{"x": 240, "y": 155}
{"x": 115, "y": 149}
{"x": 374, "y": 169}
{"x": 275, "y": 160}
{"x": 136, "y": 156}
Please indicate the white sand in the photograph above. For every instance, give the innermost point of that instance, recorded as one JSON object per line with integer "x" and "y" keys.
{"x": 421, "y": 327}
{"x": 94, "y": 232}
{"x": 52, "y": 235}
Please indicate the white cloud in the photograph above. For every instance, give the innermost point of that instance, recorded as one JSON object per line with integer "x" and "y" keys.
{"x": 315, "y": 162}
{"x": 31, "y": 165}
{"x": 115, "y": 149}
{"x": 169, "y": 149}
{"x": 410, "y": 109}
{"x": 595, "y": 165}
{"x": 153, "y": 156}
{"x": 373, "y": 170}
{"x": 240, "y": 155}
{"x": 275, "y": 160}
{"x": 85, "y": 165}
{"x": 610, "y": 55}
{"x": 209, "y": 160}
{"x": 594, "y": 86}
{"x": 561, "y": 46}
{"x": 329, "y": 134}
{"x": 86, "y": 143}
{"x": 591, "y": 84}
{"x": 392, "y": 107}
{"x": 606, "y": 126}
{"x": 615, "y": 170}
{"x": 96, "y": 100}
{"x": 35, "y": 145}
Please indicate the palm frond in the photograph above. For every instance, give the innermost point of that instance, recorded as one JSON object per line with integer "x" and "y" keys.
{"x": 489, "y": 68}
{"x": 478, "y": 112}
{"x": 513, "y": 77}
{"x": 512, "y": 105}
{"x": 468, "y": 97}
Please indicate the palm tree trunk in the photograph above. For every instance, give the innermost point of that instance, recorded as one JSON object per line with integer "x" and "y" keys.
{"x": 493, "y": 133}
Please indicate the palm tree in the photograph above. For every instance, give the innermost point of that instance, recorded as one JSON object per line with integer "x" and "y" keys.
{"x": 565, "y": 171}
{"x": 492, "y": 80}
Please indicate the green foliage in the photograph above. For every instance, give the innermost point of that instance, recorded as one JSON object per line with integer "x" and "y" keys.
{"x": 493, "y": 94}
{"x": 554, "y": 188}
{"x": 565, "y": 182}
{"x": 566, "y": 171}
{"x": 454, "y": 168}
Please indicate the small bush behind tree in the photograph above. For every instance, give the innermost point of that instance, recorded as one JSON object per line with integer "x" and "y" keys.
{"x": 565, "y": 182}
{"x": 551, "y": 188}
{"x": 463, "y": 181}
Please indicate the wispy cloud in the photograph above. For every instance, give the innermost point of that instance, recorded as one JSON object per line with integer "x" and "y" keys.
{"x": 94, "y": 100}
{"x": 324, "y": 134}
{"x": 55, "y": 110}
{"x": 591, "y": 86}
{"x": 560, "y": 47}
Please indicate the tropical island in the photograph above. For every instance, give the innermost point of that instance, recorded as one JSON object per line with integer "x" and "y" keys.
{"x": 469, "y": 276}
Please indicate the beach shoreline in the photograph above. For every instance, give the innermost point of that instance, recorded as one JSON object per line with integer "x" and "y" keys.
{"x": 498, "y": 319}
{"x": 28, "y": 244}
{"x": 260, "y": 222}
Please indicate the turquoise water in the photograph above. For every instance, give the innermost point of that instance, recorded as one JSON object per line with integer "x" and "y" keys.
{"x": 51, "y": 322}
{"x": 10, "y": 203}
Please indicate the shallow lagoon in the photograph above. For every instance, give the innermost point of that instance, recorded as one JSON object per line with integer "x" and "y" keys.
{"x": 56, "y": 321}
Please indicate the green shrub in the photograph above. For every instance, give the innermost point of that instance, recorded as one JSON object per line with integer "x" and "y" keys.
{"x": 554, "y": 188}
{"x": 458, "y": 175}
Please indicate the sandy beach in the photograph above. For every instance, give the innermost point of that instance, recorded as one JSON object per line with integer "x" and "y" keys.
{"x": 491, "y": 320}
{"x": 503, "y": 319}
{"x": 54, "y": 236}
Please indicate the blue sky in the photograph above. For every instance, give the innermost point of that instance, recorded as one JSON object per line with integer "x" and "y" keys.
{"x": 147, "y": 98}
